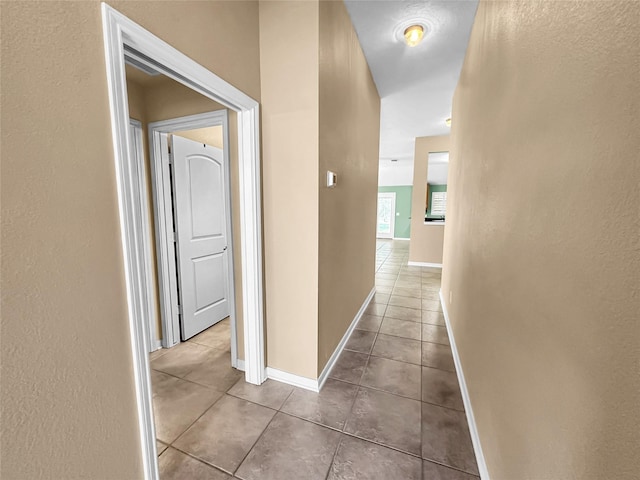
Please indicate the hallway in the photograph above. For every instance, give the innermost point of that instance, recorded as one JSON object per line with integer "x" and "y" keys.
{"x": 391, "y": 408}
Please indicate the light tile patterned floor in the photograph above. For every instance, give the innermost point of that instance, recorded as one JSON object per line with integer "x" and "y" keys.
{"x": 391, "y": 408}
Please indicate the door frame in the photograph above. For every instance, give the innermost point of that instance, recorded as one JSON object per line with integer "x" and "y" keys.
{"x": 122, "y": 34}
{"x": 147, "y": 266}
{"x": 163, "y": 214}
{"x": 392, "y": 196}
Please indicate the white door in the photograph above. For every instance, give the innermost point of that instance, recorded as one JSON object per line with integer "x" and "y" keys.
{"x": 386, "y": 214}
{"x": 201, "y": 229}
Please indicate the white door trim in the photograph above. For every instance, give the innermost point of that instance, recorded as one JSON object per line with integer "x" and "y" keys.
{"x": 165, "y": 245}
{"x": 392, "y": 196}
{"x": 121, "y": 33}
{"x": 149, "y": 305}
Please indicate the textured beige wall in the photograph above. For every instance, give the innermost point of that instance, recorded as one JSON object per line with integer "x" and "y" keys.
{"x": 349, "y": 139}
{"x": 68, "y": 404}
{"x": 426, "y": 241}
{"x": 542, "y": 241}
{"x": 212, "y": 136}
{"x": 289, "y": 76}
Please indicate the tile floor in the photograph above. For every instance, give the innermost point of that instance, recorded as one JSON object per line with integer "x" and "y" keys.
{"x": 391, "y": 408}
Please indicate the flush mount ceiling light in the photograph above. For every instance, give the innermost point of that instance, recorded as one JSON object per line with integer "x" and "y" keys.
{"x": 412, "y": 30}
{"x": 448, "y": 122}
{"x": 413, "y": 35}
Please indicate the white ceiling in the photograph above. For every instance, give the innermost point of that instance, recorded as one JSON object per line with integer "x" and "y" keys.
{"x": 416, "y": 84}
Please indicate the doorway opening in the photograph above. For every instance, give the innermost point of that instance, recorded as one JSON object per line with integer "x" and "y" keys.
{"x": 386, "y": 215}
{"x": 125, "y": 41}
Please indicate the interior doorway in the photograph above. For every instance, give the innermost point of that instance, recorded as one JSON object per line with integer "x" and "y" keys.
{"x": 125, "y": 39}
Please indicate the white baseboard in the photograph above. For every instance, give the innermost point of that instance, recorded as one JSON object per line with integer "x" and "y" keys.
{"x": 473, "y": 429}
{"x": 316, "y": 384}
{"x": 401, "y": 238}
{"x": 336, "y": 353}
{"x": 291, "y": 379}
{"x": 424, "y": 264}
{"x": 156, "y": 346}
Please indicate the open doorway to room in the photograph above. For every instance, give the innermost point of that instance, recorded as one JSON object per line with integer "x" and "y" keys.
{"x": 187, "y": 163}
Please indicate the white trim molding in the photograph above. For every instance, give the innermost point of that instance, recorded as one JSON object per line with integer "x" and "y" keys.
{"x": 473, "y": 429}
{"x": 424, "y": 264}
{"x": 120, "y": 35}
{"x": 336, "y": 353}
{"x": 309, "y": 383}
{"x": 401, "y": 238}
{"x": 291, "y": 379}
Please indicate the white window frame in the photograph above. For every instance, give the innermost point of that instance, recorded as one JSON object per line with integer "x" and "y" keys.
{"x": 120, "y": 33}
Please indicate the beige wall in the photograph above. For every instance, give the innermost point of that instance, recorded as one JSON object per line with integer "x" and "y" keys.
{"x": 289, "y": 75}
{"x": 349, "y": 139}
{"x": 541, "y": 247}
{"x": 426, "y": 241}
{"x": 66, "y": 354}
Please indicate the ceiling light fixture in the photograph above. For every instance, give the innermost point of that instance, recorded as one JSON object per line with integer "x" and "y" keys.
{"x": 413, "y": 35}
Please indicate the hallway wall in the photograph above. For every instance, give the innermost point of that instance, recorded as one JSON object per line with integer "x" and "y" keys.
{"x": 289, "y": 75}
{"x": 426, "y": 240}
{"x": 542, "y": 239}
{"x": 349, "y": 137}
{"x": 66, "y": 353}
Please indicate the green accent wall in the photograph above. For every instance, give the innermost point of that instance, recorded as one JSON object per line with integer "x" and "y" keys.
{"x": 434, "y": 188}
{"x": 402, "y": 228}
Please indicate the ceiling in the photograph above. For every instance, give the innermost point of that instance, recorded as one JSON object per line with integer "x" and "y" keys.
{"x": 416, "y": 84}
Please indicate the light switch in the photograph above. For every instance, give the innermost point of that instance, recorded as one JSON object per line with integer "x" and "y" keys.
{"x": 332, "y": 179}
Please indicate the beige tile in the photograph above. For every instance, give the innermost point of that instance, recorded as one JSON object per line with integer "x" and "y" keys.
{"x": 431, "y": 295}
{"x": 399, "y": 378}
{"x": 290, "y": 448}
{"x": 175, "y": 465}
{"x": 441, "y": 388}
{"x": 408, "y": 302}
{"x": 223, "y": 436}
{"x": 370, "y": 323}
{"x": 217, "y": 336}
{"x": 433, "y": 305}
{"x": 434, "y": 318}
{"x": 400, "y": 328}
{"x": 403, "y": 313}
{"x": 330, "y": 407}
{"x": 412, "y": 292}
{"x": 382, "y": 282}
{"x": 397, "y": 348}
{"x": 361, "y": 460}
{"x": 349, "y": 367}
{"x": 177, "y": 404}
{"x": 270, "y": 394}
{"x": 386, "y": 276}
{"x": 381, "y": 298}
{"x": 437, "y": 356}
{"x": 434, "y": 334}
{"x": 360, "y": 341}
{"x": 384, "y": 290}
{"x": 157, "y": 353}
{"x": 446, "y": 439}
{"x": 433, "y": 471}
{"x": 215, "y": 371}
{"x": 160, "y": 447}
{"x": 375, "y": 309}
{"x": 180, "y": 360}
{"x": 386, "y": 419}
